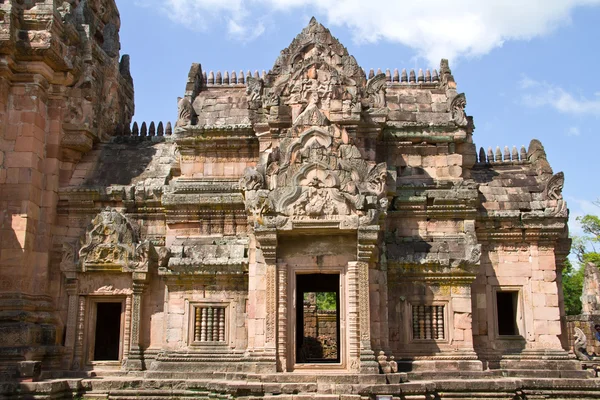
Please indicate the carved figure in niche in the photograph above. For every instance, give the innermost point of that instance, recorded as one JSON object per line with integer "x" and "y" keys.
{"x": 251, "y": 180}
{"x": 580, "y": 345}
{"x": 185, "y": 111}
{"x": 376, "y": 90}
{"x": 254, "y": 89}
{"x": 458, "y": 110}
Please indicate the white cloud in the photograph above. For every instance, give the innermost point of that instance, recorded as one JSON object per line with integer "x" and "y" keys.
{"x": 543, "y": 94}
{"x": 435, "y": 30}
{"x": 573, "y": 131}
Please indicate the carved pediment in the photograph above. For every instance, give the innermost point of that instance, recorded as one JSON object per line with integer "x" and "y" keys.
{"x": 318, "y": 175}
{"x": 112, "y": 243}
{"x": 315, "y": 70}
{"x": 314, "y": 45}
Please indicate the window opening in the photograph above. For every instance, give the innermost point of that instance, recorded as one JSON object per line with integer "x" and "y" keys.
{"x": 209, "y": 324}
{"x": 506, "y": 306}
{"x": 428, "y": 322}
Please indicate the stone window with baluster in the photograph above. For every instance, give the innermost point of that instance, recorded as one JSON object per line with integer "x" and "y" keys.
{"x": 428, "y": 322}
{"x": 209, "y": 324}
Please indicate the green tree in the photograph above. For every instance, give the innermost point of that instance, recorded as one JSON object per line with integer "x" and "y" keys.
{"x": 572, "y": 287}
{"x": 585, "y": 250}
{"x": 326, "y": 301}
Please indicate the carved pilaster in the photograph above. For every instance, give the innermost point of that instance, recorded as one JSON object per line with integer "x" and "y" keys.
{"x": 353, "y": 317}
{"x": 127, "y": 328}
{"x": 71, "y": 328}
{"x": 282, "y": 324}
{"x": 271, "y": 300}
{"x": 368, "y": 362}
{"x": 135, "y": 358}
{"x": 78, "y": 352}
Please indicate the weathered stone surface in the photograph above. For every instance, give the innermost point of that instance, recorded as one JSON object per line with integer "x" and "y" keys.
{"x": 199, "y": 235}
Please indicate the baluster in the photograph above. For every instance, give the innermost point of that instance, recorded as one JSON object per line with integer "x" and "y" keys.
{"x": 421, "y": 322}
{"x": 427, "y": 322}
{"x": 440, "y": 318}
{"x": 203, "y": 328}
{"x": 209, "y": 327}
{"x": 197, "y": 325}
{"x": 222, "y": 325}
{"x": 415, "y": 322}
{"x": 434, "y": 322}
{"x": 215, "y": 324}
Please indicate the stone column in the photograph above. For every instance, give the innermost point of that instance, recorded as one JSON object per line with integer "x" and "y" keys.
{"x": 368, "y": 363}
{"x": 78, "y": 352}
{"x": 367, "y": 253}
{"x": 353, "y": 322}
{"x": 262, "y": 301}
{"x": 71, "y": 328}
{"x": 127, "y": 328}
{"x": 282, "y": 317}
{"x": 135, "y": 357}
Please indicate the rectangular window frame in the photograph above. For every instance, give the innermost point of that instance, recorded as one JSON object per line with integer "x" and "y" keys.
{"x": 224, "y": 304}
{"x": 445, "y": 305}
{"x": 520, "y": 312}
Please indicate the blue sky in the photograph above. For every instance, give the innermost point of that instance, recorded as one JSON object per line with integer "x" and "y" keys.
{"x": 528, "y": 67}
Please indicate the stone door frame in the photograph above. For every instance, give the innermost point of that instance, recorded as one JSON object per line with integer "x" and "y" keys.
{"x": 90, "y": 330}
{"x": 343, "y": 345}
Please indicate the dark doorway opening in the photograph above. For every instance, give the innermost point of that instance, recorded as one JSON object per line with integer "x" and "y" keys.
{"x": 108, "y": 332}
{"x": 318, "y": 318}
{"x": 506, "y": 305}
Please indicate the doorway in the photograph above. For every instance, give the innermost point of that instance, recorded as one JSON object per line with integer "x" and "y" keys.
{"x": 107, "y": 335}
{"x": 318, "y": 319}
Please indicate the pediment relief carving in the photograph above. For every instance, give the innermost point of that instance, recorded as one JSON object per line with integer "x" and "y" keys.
{"x": 318, "y": 175}
{"x": 112, "y": 243}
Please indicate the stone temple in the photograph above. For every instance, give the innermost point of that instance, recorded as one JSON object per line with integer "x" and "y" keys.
{"x": 310, "y": 232}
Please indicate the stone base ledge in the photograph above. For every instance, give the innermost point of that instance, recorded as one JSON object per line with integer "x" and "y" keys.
{"x": 495, "y": 387}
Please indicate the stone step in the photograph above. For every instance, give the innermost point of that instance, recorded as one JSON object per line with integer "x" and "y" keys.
{"x": 522, "y": 373}
{"x": 195, "y": 375}
{"x": 305, "y": 396}
{"x": 325, "y": 378}
{"x": 432, "y": 376}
